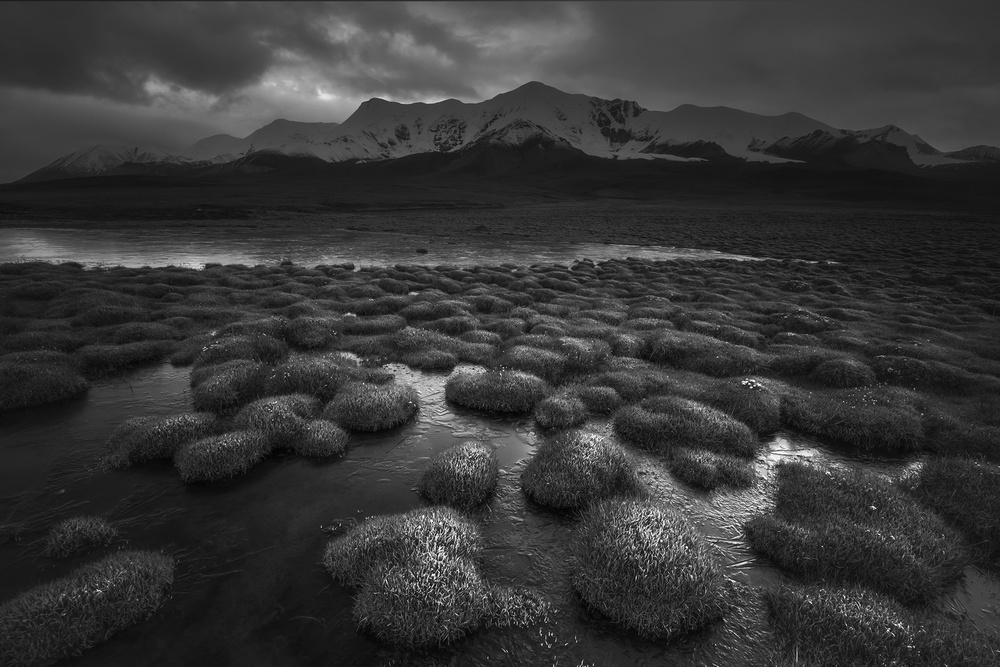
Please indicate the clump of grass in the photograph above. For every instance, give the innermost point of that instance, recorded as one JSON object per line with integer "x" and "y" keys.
{"x": 188, "y": 350}
{"x": 259, "y": 347}
{"x": 363, "y": 406}
{"x": 870, "y": 418}
{"x": 496, "y": 391}
{"x": 311, "y": 333}
{"x": 26, "y": 385}
{"x": 648, "y": 569}
{"x": 319, "y": 376}
{"x": 804, "y": 321}
{"x": 597, "y": 400}
{"x": 829, "y": 628}
{"x": 280, "y": 419}
{"x": 67, "y": 616}
{"x": 463, "y": 476}
{"x": 419, "y": 585}
{"x": 221, "y": 456}
{"x": 231, "y": 388}
{"x": 702, "y": 354}
{"x": 561, "y": 411}
{"x": 77, "y": 535}
{"x": 575, "y": 469}
{"x": 708, "y": 470}
{"x": 633, "y": 385}
{"x": 663, "y": 422}
{"x": 373, "y": 326}
{"x": 135, "y": 332}
{"x": 271, "y": 327}
{"x": 430, "y": 360}
{"x": 857, "y": 528}
{"x": 104, "y": 360}
{"x": 967, "y": 493}
{"x": 843, "y": 373}
{"x": 141, "y": 439}
{"x": 546, "y": 364}
{"x": 107, "y": 315}
{"x": 320, "y": 438}
{"x": 753, "y": 401}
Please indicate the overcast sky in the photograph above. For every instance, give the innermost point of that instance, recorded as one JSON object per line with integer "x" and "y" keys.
{"x": 168, "y": 74}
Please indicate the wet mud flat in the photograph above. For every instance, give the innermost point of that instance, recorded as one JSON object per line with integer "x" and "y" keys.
{"x": 878, "y": 378}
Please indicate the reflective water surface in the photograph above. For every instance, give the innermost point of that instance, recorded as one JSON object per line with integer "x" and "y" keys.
{"x": 250, "y": 588}
{"x": 195, "y": 246}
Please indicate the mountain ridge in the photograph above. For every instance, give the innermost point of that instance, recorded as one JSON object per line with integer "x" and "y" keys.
{"x": 541, "y": 117}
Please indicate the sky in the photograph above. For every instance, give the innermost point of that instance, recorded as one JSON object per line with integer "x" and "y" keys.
{"x": 167, "y": 74}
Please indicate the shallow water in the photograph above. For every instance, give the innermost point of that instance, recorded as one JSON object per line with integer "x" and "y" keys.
{"x": 250, "y": 589}
{"x": 195, "y": 246}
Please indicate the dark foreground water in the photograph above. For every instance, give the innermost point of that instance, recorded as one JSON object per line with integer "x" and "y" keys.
{"x": 195, "y": 246}
{"x": 250, "y": 588}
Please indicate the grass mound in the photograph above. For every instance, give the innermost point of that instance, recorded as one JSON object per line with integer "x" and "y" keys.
{"x": 311, "y": 333}
{"x": 496, "y": 391}
{"x": 320, "y": 438}
{"x": 856, "y": 528}
{"x": 430, "y": 360}
{"x": 222, "y": 456}
{"x": 258, "y": 347}
{"x": 575, "y": 469}
{"x": 869, "y": 418}
{"x": 363, "y": 406}
{"x": 463, "y": 476}
{"x": 26, "y": 385}
{"x": 320, "y": 376}
{"x": 843, "y": 373}
{"x": 562, "y": 411}
{"x": 753, "y": 401}
{"x": 279, "y": 418}
{"x": 702, "y": 354}
{"x": 829, "y": 628}
{"x": 141, "y": 439}
{"x": 419, "y": 580}
{"x": 228, "y": 390}
{"x": 597, "y": 400}
{"x": 105, "y": 360}
{"x": 967, "y": 493}
{"x": 78, "y": 534}
{"x": 707, "y": 470}
{"x": 546, "y": 364}
{"x": 67, "y": 616}
{"x": 663, "y": 422}
{"x": 647, "y": 569}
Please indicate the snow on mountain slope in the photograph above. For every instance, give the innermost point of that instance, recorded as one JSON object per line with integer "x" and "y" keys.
{"x": 920, "y": 151}
{"x": 537, "y": 114}
{"x": 978, "y": 153}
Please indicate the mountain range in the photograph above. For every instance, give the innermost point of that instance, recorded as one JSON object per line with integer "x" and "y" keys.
{"x": 533, "y": 123}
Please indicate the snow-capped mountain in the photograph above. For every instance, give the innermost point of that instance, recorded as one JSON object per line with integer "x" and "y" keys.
{"x": 543, "y": 117}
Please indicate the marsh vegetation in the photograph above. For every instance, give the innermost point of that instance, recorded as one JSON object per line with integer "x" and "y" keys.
{"x": 508, "y": 450}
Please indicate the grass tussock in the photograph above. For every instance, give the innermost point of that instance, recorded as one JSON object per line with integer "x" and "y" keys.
{"x": 26, "y": 385}
{"x": 363, "y": 406}
{"x": 67, "y": 616}
{"x": 141, "y": 439}
{"x": 312, "y": 333}
{"x": 575, "y": 469}
{"x": 546, "y": 364}
{"x": 320, "y": 438}
{"x": 819, "y": 627}
{"x": 843, "y": 373}
{"x": 597, "y": 400}
{"x": 104, "y": 360}
{"x": 856, "y": 528}
{"x": 661, "y": 423}
{"x": 754, "y": 401}
{"x": 319, "y": 376}
{"x": 231, "y": 388}
{"x": 463, "y": 476}
{"x": 966, "y": 493}
{"x": 869, "y": 418}
{"x": 646, "y": 568}
{"x": 496, "y": 391}
{"x": 702, "y": 354}
{"x": 708, "y": 470}
{"x": 559, "y": 412}
{"x": 280, "y": 419}
{"x": 221, "y": 456}
{"x": 77, "y": 535}
{"x": 418, "y": 579}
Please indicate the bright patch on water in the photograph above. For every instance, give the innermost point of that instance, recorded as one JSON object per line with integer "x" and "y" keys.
{"x": 194, "y": 247}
